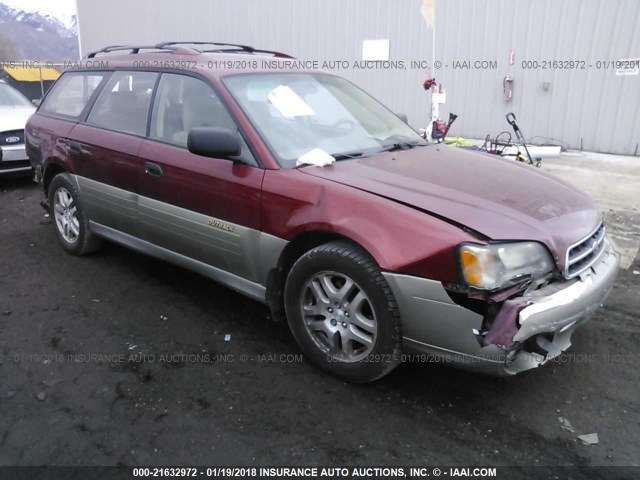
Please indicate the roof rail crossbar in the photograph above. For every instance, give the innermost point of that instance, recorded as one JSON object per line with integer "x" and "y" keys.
{"x": 235, "y": 48}
{"x": 254, "y": 52}
{"x": 172, "y": 44}
{"x": 275, "y": 54}
{"x": 114, "y": 48}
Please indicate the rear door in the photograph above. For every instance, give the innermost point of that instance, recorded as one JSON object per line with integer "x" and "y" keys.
{"x": 207, "y": 209}
{"x": 105, "y": 148}
{"x": 48, "y": 131}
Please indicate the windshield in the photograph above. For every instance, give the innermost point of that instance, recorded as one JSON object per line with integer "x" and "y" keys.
{"x": 9, "y": 97}
{"x": 297, "y": 113}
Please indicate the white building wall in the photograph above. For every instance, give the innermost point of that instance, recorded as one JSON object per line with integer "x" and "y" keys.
{"x": 591, "y": 107}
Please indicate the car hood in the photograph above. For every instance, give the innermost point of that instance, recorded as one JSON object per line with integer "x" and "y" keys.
{"x": 14, "y": 118}
{"x": 498, "y": 198}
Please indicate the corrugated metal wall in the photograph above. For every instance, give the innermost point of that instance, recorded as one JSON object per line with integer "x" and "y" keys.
{"x": 593, "y": 107}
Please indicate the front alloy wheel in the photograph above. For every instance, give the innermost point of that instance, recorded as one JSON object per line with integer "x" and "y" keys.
{"x": 338, "y": 316}
{"x": 342, "y": 312}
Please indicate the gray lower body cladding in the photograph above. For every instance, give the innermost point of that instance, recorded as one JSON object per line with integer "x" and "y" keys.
{"x": 237, "y": 256}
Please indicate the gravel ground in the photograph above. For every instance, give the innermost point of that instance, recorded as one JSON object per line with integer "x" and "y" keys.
{"x": 614, "y": 182}
{"x": 162, "y": 387}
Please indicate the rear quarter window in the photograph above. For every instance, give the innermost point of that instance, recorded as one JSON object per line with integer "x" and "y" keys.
{"x": 70, "y": 94}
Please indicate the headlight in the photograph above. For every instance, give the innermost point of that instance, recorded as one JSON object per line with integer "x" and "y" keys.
{"x": 501, "y": 265}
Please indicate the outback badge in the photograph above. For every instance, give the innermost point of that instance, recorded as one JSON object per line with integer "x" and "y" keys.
{"x": 221, "y": 225}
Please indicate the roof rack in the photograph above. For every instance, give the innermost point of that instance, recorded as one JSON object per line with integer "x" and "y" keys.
{"x": 235, "y": 48}
{"x": 174, "y": 47}
{"x": 133, "y": 49}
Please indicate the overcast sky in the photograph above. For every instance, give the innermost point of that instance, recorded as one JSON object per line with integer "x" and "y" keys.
{"x": 61, "y": 9}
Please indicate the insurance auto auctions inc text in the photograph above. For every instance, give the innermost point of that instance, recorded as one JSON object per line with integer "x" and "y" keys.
{"x": 376, "y": 472}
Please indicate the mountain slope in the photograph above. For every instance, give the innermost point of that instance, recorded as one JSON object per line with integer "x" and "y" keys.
{"x": 36, "y": 36}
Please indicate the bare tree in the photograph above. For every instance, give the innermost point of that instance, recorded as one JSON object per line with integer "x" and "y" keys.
{"x": 8, "y": 49}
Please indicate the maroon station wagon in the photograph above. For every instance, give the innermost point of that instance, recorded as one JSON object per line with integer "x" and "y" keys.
{"x": 301, "y": 191}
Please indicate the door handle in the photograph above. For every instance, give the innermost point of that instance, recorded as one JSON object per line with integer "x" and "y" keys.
{"x": 152, "y": 169}
{"x": 75, "y": 147}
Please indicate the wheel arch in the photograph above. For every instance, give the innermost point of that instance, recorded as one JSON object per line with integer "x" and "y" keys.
{"x": 51, "y": 167}
{"x": 295, "y": 248}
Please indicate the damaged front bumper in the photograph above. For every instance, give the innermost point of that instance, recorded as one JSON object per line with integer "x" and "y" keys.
{"x": 545, "y": 325}
{"x": 533, "y": 328}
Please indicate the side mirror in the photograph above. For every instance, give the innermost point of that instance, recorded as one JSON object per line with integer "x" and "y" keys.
{"x": 403, "y": 117}
{"x": 213, "y": 142}
{"x": 36, "y": 101}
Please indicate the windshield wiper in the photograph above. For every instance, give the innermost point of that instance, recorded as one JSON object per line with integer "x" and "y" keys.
{"x": 346, "y": 155}
{"x": 386, "y": 148}
{"x": 402, "y": 146}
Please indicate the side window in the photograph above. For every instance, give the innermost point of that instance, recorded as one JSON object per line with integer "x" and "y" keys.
{"x": 123, "y": 104}
{"x": 71, "y": 93}
{"x": 182, "y": 103}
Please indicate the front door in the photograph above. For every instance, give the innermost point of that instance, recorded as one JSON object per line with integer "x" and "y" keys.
{"x": 207, "y": 209}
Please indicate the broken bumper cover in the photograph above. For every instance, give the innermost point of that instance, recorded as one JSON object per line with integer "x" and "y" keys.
{"x": 442, "y": 331}
{"x": 556, "y": 310}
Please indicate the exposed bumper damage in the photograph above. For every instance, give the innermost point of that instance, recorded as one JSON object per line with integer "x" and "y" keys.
{"x": 523, "y": 331}
{"x": 537, "y": 326}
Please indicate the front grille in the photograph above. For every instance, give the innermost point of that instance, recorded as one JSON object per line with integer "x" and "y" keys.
{"x": 582, "y": 255}
{"x": 13, "y": 134}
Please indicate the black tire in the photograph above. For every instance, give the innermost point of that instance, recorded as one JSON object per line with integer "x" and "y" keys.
{"x": 85, "y": 242}
{"x": 342, "y": 257}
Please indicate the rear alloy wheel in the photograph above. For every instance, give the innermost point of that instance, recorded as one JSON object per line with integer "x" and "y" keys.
{"x": 69, "y": 221}
{"x": 65, "y": 214}
{"x": 342, "y": 312}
